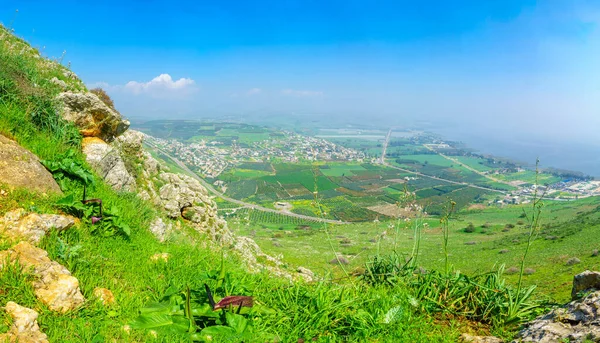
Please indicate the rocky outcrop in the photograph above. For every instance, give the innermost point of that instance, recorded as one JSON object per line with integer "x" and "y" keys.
{"x": 160, "y": 229}
{"x": 53, "y": 285}
{"x": 107, "y": 161}
{"x": 25, "y": 328}
{"x": 584, "y": 282}
{"x": 92, "y": 116}
{"x": 578, "y": 321}
{"x": 184, "y": 196}
{"x": 17, "y": 225}
{"x": 20, "y": 168}
{"x": 130, "y": 143}
{"x": 251, "y": 253}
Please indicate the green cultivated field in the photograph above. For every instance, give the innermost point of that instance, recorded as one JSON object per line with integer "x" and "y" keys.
{"x": 568, "y": 230}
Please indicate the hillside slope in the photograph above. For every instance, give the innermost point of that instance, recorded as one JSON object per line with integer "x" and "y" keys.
{"x": 106, "y": 244}
{"x": 116, "y": 265}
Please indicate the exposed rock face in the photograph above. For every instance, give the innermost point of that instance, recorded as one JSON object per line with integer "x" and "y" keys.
{"x": 107, "y": 162}
{"x": 16, "y": 225}
{"x": 104, "y": 295}
{"x": 54, "y": 285}
{"x": 92, "y": 116}
{"x": 25, "y": 328}
{"x": 130, "y": 142}
{"x": 578, "y": 321}
{"x": 160, "y": 229}
{"x": 585, "y": 281}
{"x": 20, "y": 168}
{"x": 184, "y": 196}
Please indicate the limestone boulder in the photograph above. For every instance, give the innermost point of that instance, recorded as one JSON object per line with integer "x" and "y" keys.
{"x": 151, "y": 165}
{"x": 107, "y": 161}
{"x": 92, "y": 116}
{"x": 577, "y": 322}
{"x": 25, "y": 328}
{"x": 21, "y": 168}
{"x": 585, "y": 281}
{"x": 130, "y": 142}
{"x": 53, "y": 284}
{"x": 18, "y": 225}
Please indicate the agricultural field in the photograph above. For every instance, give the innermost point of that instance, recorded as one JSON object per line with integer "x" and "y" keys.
{"x": 342, "y": 191}
{"x": 568, "y": 230}
{"x": 222, "y": 133}
{"x": 358, "y": 188}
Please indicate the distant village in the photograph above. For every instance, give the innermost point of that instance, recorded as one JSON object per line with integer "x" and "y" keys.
{"x": 211, "y": 158}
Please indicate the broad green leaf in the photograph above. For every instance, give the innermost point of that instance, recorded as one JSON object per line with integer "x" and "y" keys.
{"x": 236, "y": 322}
{"x": 216, "y": 333}
{"x": 152, "y": 320}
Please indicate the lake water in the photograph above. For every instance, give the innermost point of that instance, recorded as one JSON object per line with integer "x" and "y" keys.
{"x": 580, "y": 157}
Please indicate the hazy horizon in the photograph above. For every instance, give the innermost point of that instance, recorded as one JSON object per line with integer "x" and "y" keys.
{"x": 490, "y": 71}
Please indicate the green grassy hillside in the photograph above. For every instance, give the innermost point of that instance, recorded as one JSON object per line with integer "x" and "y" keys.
{"x": 386, "y": 299}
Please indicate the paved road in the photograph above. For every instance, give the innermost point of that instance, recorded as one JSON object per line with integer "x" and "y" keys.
{"x": 239, "y": 202}
{"x": 440, "y": 179}
{"x": 382, "y": 161}
{"x": 455, "y": 160}
{"x": 385, "y": 145}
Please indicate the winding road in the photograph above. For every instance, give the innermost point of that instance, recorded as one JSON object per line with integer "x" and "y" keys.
{"x": 239, "y": 202}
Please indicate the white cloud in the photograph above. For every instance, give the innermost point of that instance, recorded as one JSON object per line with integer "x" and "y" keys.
{"x": 160, "y": 83}
{"x": 254, "y": 91}
{"x": 301, "y": 93}
{"x": 160, "y": 87}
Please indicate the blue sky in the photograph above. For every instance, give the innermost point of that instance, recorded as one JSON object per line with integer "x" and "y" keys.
{"x": 484, "y": 64}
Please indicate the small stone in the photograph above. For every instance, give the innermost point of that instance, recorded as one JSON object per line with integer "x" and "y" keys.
{"x": 160, "y": 229}
{"x": 573, "y": 261}
{"x": 340, "y": 260}
{"x": 62, "y": 84}
{"x": 160, "y": 257}
{"x": 511, "y": 270}
{"x": 470, "y": 243}
{"x": 306, "y": 273}
{"x": 504, "y": 251}
{"x": 467, "y": 338}
{"x": 104, "y": 295}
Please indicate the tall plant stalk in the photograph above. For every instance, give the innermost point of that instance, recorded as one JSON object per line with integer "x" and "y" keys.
{"x": 533, "y": 220}
{"x": 317, "y": 204}
{"x": 445, "y": 223}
